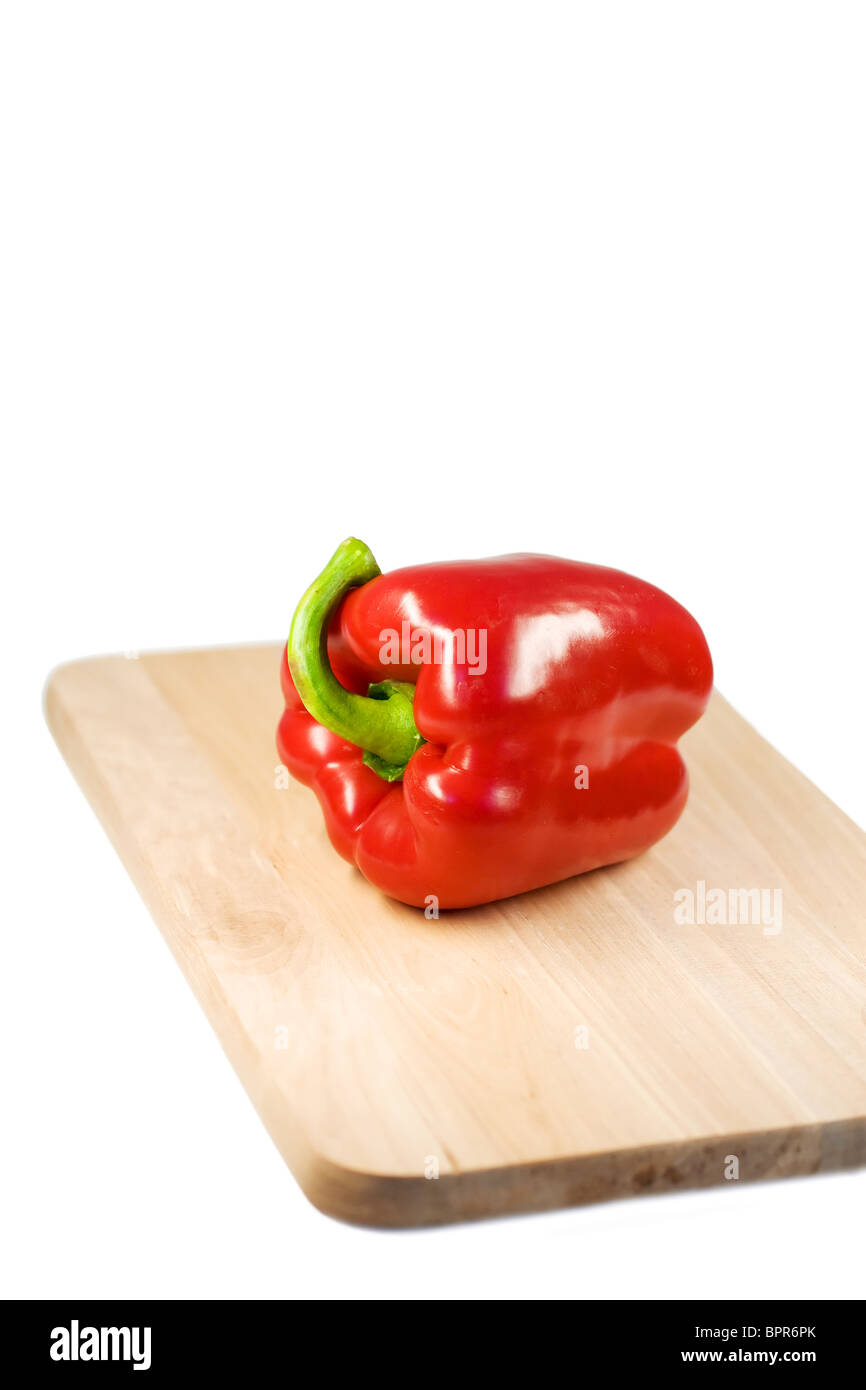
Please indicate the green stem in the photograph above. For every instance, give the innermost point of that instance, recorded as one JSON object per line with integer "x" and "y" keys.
{"x": 381, "y": 722}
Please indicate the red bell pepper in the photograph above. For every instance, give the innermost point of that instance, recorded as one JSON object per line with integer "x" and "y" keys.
{"x": 477, "y": 729}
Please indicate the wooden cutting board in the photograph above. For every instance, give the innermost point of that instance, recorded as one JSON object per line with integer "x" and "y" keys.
{"x": 574, "y": 1044}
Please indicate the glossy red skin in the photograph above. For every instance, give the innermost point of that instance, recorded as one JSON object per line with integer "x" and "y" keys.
{"x": 585, "y": 665}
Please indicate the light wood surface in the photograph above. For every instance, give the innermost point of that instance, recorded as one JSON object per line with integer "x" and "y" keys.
{"x": 567, "y": 1046}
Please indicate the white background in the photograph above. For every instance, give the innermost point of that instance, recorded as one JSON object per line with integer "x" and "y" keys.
{"x": 459, "y": 279}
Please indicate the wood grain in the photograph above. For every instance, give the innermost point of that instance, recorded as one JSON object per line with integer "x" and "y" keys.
{"x": 377, "y": 1044}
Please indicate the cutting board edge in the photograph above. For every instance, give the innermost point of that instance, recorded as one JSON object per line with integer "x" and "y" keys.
{"x": 399, "y": 1201}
